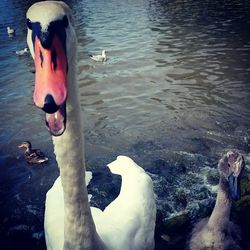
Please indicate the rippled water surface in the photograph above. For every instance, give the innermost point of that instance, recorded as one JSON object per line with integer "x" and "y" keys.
{"x": 173, "y": 95}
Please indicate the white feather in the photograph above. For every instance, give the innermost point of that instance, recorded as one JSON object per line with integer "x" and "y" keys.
{"x": 126, "y": 223}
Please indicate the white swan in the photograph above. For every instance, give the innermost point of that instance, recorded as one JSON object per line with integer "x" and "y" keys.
{"x": 100, "y": 58}
{"x": 129, "y": 221}
{"x": 218, "y": 232}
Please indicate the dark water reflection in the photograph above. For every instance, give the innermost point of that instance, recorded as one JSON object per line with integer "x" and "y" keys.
{"x": 174, "y": 95}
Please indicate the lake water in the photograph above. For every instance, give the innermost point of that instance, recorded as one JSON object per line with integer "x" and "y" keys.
{"x": 174, "y": 95}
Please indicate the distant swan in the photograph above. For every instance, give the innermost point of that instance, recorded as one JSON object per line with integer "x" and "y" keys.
{"x": 129, "y": 221}
{"x": 218, "y": 232}
{"x": 99, "y": 58}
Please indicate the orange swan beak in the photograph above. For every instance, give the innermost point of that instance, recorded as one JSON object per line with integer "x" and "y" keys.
{"x": 50, "y": 91}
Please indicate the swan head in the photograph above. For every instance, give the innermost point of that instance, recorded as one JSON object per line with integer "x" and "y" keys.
{"x": 230, "y": 168}
{"x": 51, "y": 40}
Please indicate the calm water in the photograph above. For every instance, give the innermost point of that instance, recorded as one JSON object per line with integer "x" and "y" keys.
{"x": 174, "y": 95}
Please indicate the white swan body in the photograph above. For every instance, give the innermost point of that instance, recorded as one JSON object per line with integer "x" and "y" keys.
{"x": 218, "y": 232}
{"x": 99, "y": 58}
{"x": 126, "y": 223}
{"x": 129, "y": 221}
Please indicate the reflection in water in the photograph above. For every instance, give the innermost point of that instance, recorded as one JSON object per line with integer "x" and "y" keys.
{"x": 173, "y": 95}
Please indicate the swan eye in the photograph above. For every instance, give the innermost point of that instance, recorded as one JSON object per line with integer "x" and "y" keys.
{"x": 65, "y": 21}
{"x": 29, "y": 24}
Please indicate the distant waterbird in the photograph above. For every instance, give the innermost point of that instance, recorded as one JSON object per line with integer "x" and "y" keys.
{"x": 99, "y": 58}
{"x": 10, "y": 31}
{"x": 22, "y": 52}
{"x": 33, "y": 156}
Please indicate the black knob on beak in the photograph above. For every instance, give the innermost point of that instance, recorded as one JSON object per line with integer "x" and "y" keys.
{"x": 50, "y": 106}
{"x": 46, "y": 39}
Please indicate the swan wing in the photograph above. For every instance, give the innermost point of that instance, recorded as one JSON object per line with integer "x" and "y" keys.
{"x": 126, "y": 223}
{"x": 129, "y": 221}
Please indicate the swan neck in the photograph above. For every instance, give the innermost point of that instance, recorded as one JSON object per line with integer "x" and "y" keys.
{"x": 79, "y": 227}
{"x": 221, "y": 212}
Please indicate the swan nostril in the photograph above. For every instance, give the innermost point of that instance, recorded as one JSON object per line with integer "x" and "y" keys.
{"x": 50, "y": 106}
{"x": 41, "y": 58}
{"x": 54, "y": 56}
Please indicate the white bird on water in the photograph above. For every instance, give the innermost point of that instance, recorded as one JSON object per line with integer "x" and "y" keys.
{"x": 10, "y": 31}
{"x": 22, "y": 52}
{"x": 99, "y": 58}
{"x": 70, "y": 223}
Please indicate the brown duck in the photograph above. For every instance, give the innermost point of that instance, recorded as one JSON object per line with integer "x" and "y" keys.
{"x": 33, "y": 156}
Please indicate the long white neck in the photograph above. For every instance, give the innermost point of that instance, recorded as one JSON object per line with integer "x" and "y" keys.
{"x": 221, "y": 213}
{"x": 79, "y": 227}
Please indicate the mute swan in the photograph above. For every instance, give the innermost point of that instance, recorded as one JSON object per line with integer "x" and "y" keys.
{"x": 129, "y": 221}
{"x": 218, "y": 232}
{"x": 32, "y": 156}
{"x": 99, "y": 58}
